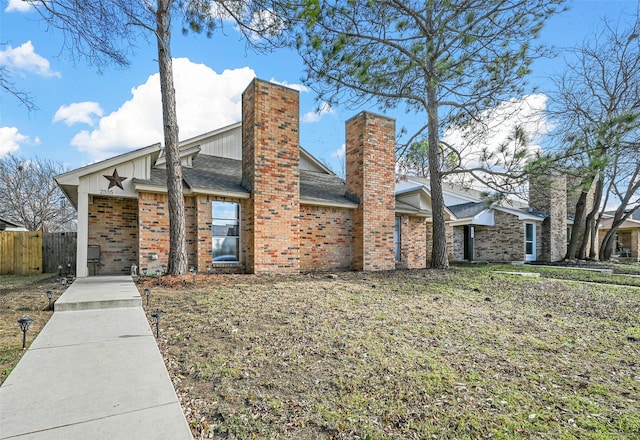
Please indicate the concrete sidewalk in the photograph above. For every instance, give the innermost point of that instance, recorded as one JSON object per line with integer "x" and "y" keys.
{"x": 94, "y": 371}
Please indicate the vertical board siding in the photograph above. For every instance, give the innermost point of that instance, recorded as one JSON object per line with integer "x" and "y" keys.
{"x": 59, "y": 249}
{"x": 20, "y": 253}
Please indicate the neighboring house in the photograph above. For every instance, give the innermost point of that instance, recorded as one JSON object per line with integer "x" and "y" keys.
{"x": 255, "y": 201}
{"x": 627, "y": 244}
{"x": 8, "y": 225}
{"x": 486, "y": 231}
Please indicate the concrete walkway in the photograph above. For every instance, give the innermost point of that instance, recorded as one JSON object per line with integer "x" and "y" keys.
{"x": 93, "y": 372}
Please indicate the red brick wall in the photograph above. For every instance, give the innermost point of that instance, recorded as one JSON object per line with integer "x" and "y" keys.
{"x": 113, "y": 225}
{"x": 325, "y": 238}
{"x": 270, "y": 158}
{"x": 153, "y": 233}
{"x": 370, "y": 162}
{"x": 413, "y": 242}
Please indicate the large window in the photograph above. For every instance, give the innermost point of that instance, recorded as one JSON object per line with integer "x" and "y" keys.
{"x": 226, "y": 231}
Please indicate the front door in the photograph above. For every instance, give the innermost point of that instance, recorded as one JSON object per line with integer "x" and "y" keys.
{"x": 468, "y": 242}
{"x": 530, "y": 241}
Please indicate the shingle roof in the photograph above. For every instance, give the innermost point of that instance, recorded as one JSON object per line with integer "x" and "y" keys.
{"x": 215, "y": 173}
{"x": 223, "y": 174}
{"x": 467, "y": 210}
{"x": 323, "y": 187}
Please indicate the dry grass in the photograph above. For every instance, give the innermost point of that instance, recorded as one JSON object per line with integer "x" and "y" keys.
{"x": 20, "y": 296}
{"x": 408, "y": 355}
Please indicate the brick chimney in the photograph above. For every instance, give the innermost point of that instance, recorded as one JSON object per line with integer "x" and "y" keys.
{"x": 548, "y": 194}
{"x": 270, "y": 158}
{"x": 370, "y": 175}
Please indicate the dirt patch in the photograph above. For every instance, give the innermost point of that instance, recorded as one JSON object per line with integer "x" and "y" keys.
{"x": 22, "y": 296}
{"x": 417, "y": 354}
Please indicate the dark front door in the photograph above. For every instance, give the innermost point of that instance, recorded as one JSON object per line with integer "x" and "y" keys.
{"x": 468, "y": 242}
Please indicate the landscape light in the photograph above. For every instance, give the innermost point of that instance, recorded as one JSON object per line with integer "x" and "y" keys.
{"x": 24, "y": 322}
{"x": 147, "y": 292}
{"x": 63, "y": 281}
{"x": 155, "y": 318}
{"x": 144, "y": 271}
{"x": 194, "y": 272}
{"x": 50, "y": 296}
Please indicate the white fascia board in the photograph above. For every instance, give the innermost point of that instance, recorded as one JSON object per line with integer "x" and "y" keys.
{"x": 214, "y": 192}
{"x": 317, "y": 202}
{"x": 73, "y": 177}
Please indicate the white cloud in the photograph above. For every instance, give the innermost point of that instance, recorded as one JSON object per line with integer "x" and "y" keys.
{"x": 10, "y": 140}
{"x": 500, "y": 123}
{"x": 78, "y": 113}
{"x": 340, "y": 153}
{"x": 206, "y": 100}
{"x": 314, "y": 116}
{"x": 18, "y": 6}
{"x": 24, "y": 58}
{"x": 299, "y": 87}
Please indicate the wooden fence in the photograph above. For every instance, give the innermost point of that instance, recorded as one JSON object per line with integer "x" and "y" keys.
{"x": 59, "y": 249}
{"x": 20, "y": 253}
{"x": 23, "y": 253}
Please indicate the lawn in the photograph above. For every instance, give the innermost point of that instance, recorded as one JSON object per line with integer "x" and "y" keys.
{"x": 427, "y": 354}
{"x": 19, "y": 296}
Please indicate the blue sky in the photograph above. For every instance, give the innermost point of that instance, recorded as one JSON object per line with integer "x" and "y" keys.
{"x": 84, "y": 116}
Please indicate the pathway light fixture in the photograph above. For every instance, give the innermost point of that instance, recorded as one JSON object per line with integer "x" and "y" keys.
{"x": 147, "y": 293}
{"x": 155, "y": 318}
{"x": 49, "y": 294}
{"x": 194, "y": 272}
{"x": 24, "y": 322}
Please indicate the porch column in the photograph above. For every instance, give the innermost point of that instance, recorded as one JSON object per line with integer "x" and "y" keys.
{"x": 83, "y": 235}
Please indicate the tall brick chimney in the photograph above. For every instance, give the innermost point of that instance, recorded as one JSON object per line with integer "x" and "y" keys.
{"x": 370, "y": 175}
{"x": 548, "y": 194}
{"x": 270, "y": 158}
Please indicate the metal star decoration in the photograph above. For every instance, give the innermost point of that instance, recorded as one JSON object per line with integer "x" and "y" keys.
{"x": 115, "y": 180}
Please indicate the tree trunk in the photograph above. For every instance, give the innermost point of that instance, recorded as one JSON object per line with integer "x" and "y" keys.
{"x": 177, "y": 230}
{"x": 578, "y": 229}
{"x": 606, "y": 248}
{"x": 439, "y": 255}
{"x": 595, "y": 220}
{"x": 619, "y": 217}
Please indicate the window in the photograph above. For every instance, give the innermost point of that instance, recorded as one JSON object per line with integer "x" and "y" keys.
{"x": 226, "y": 231}
{"x": 569, "y": 231}
{"x": 396, "y": 236}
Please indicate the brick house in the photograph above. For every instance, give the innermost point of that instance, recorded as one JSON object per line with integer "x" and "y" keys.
{"x": 495, "y": 232}
{"x": 627, "y": 244}
{"x": 255, "y": 201}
